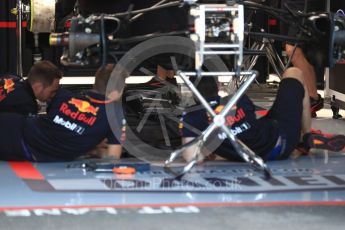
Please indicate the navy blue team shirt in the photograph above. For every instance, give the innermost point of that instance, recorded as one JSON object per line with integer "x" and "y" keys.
{"x": 73, "y": 126}
{"x": 16, "y": 96}
{"x": 259, "y": 134}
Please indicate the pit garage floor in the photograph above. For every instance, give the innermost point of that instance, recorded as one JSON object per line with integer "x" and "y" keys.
{"x": 305, "y": 193}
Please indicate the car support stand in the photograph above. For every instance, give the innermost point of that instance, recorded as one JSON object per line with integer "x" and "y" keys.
{"x": 204, "y": 14}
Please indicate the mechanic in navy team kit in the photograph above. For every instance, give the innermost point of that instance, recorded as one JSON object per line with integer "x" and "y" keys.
{"x": 19, "y": 96}
{"x": 74, "y": 125}
{"x": 274, "y": 136}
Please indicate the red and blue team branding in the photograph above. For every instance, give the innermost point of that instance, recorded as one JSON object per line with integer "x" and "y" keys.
{"x": 83, "y": 109}
{"x": 230, "y": 120}
{"x": 68, "y": 125}
{"x": 240, "y": 115}
{"x": 84, "y": 106}
{"x": 233, "y": 121}
{"x": 6, "y": 88}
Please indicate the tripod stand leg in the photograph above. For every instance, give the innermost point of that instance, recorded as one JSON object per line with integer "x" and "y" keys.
{"x": 179, "y": 174}
{"x": 218, "y": 121}
{"x": 179, "y": 151}
{"x": 246, "y": 153}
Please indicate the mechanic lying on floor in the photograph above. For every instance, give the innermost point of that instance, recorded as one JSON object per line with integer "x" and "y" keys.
{"x": 74, "y": 125}
{"x": 19, "y": 96}
{"x": 274, "y": 136}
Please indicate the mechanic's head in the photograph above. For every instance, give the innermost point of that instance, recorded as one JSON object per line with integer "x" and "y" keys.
{"x": 44, "y": 78}
{"x": 102, "y": 77}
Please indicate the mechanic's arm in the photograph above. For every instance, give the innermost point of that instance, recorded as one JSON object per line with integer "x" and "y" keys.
{"x": 190, "y": 152}
{"x": 114, "y": 151}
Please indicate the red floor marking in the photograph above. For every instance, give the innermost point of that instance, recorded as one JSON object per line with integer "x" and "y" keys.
{"x": 199, "y": 205}
{"x": 25, "y": 170}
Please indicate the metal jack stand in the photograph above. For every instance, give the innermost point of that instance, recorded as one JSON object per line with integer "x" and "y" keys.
{"x": 203, "y": 15}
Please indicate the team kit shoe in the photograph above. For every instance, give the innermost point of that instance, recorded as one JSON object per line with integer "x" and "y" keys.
{"x": 319, "y": 140}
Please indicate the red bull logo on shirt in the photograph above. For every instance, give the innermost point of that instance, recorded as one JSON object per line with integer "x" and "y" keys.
{"x": 83, "y": 108}
{"x": 230, "y": 120}
{"x": 8, "y": 85}
{"x": 240, "y": 114}
{"x": 6, "y": 88}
